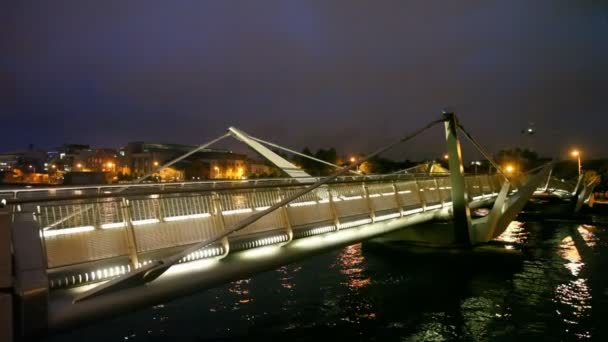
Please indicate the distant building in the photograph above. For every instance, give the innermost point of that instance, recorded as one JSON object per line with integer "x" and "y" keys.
{"x": 103, "y": 159}
{"x": 261, "y": 169}
{"x": 142, "y": 158}
{"x": 23, "y": 166}
{"x": 69, "y": 157}
{"x": 28, "y": 161}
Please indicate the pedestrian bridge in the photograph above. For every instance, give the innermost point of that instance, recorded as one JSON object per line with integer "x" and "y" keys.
{"x": 77, "y": 254}
{"x": 94, "y": 238}
{"x": 89, "y": 235}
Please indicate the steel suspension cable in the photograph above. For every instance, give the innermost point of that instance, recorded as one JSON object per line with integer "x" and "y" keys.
{"x": 140, "y": 179}
{"x": 481, "y": 150}
{"x": 180, "y": 158}
{"x": 154, "y": 270}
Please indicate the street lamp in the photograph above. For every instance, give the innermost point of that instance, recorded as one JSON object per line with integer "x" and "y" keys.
{"x": 352, "y": 161}
{"x": 577, "y": 154}
{"x": 509, "y": 168}
{"x": 446, "y": 156}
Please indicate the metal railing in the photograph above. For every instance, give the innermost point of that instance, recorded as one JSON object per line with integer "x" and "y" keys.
{"x": 91, "y": 237}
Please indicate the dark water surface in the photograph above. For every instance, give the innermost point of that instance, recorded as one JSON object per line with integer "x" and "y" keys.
{"x": 554, "y": 290}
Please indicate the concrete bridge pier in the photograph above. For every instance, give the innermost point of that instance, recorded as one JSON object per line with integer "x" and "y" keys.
{"x": 6, "y": 280}
{"x": 23, "y": 280}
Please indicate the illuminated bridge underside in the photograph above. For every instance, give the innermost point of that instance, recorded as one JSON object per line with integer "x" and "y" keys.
{"x": 187, "y": 278}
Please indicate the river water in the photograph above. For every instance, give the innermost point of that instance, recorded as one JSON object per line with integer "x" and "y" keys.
{"x": 551, "y": 285}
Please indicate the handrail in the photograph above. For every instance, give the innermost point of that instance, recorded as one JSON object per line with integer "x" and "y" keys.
{"x": 184, "y": 190}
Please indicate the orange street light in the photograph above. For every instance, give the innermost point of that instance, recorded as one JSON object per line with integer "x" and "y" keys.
{"x": 79, "y": 165}
{"x": 353, "y": 159}
{"x": 509, "y": 168}
{"x": 155, "y": 163}
{"x": 446, "y": 156}
{"x": 577, "y": 154}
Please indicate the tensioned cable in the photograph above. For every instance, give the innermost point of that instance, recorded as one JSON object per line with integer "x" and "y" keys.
{"x": 154, "y": 270}
{"x": 182, "y": 157}
{"x": 140, "y": 179}
{"x": 481, "y": 150}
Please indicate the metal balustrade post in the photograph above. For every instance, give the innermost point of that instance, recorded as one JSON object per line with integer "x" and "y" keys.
{"x": 130, "y": 234}
{"x": 285, "y": 216}
{"x": 460, "y": 203}
{"x": 159, "y": 212}
{"x": 218, "y": 220}
{"x": 370, "y": 204}
{"x": 398, "y": 199}
{"x": 439, "y": 192}
{"x": 332, "y": 208}
{"x": 421, "y": 197}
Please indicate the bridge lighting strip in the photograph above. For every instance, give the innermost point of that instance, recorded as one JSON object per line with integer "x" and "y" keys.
{"x": 271, "y": 240}
{"x": 56, "y": 232}
{"x": 431, "y": 207}
{"x": 147, "y": 221}
{"x": 354, "y": 223}
{"x": 112, "y": 225}
{"x": 95, "y": 275}
{"x": 346, "y": 198}
{"x": 387, "y": 216}
{"x": 374, "y": 195}
{"x": 237, "y": 211}
{"x": 186, "y": 217}
{"x": 404, "y": 192}
{"x": 261, "y": 208}
{"x": 388, "y": 194}
{"x": 202, "y": 254}
{"x": 302, "y": 204}
{"x": 413, "y": 211}
{"x": 320, "y": 230}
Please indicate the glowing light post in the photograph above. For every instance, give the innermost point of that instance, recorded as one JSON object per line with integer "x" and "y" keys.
{"x": 352, "y": 161}
{"x": 577, "y": 154}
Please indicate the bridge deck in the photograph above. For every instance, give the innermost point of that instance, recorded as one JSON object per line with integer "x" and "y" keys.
{"x": 88, "y": 240}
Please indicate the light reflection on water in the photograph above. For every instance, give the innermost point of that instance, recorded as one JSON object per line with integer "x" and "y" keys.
{"x": 351, "y": 264}
{"x": 546, "y": 293}
{"x": 568, "y": 251}
{"x": 515, "y": 233}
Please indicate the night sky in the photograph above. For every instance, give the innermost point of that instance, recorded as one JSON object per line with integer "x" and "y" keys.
{"x": 349, "y": 74}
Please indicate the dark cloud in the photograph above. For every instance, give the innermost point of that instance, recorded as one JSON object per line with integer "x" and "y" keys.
{"x": 349, "y": 74}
